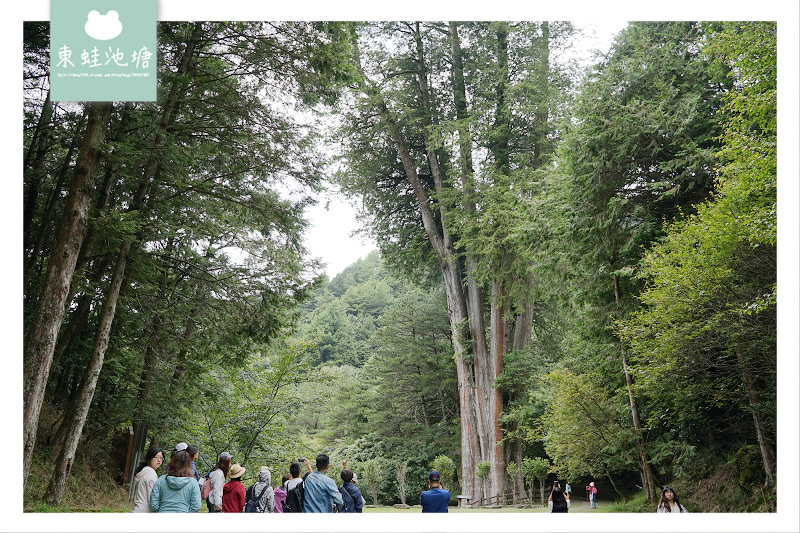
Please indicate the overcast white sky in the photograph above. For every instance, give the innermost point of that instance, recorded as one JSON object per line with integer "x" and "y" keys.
{"x": 337, "y": 249}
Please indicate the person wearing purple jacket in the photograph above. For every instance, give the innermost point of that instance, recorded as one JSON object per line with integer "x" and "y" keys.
{"x": 280, "y": 494}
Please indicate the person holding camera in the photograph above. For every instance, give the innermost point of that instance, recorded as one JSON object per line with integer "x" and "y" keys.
{"x": 592, "y": 493}
{"x": 435, "y": 499}
{"x": 558, "y": 501}
{"x": 294, "y": 472}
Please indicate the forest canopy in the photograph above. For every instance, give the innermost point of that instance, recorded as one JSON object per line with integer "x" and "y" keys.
{"x": 576, "y": 276}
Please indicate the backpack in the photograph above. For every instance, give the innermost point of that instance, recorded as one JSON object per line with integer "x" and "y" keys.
{"x": 252, "y": 503}
{"x": 349, "y": 504}
{"x": 206, "y": 490}
{"x": 294, "y": 499}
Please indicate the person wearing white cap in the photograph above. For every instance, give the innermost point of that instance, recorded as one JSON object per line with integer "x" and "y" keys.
{"x": 217, "y": 477}
{"x": 592, "y": 492}
{"x": 180, "y": 447}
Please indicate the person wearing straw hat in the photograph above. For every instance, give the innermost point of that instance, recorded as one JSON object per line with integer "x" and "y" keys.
{"x": 233, "y": 500}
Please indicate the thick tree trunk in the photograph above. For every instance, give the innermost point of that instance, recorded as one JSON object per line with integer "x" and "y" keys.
{"x": 478, "y": 438}
{"x": 485, "y": 423}
{"x": 494, "y": 395}
{"x": 79, "y": 412}
{"x": 491, "y": 396}
{"x": 523, "y": 329}
{"x": 40, "y": 340}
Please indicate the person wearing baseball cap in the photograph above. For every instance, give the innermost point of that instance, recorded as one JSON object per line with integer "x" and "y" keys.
{"x": 435, "y": 499}
{"x": 180, "y": 447}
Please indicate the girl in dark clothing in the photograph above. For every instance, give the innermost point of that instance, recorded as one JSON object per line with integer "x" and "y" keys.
{"x": 558, "y": 503}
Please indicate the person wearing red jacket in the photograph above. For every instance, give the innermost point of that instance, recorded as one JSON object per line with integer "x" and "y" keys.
{"x": 592, "y": 493}
{"x": 233, "y": 499}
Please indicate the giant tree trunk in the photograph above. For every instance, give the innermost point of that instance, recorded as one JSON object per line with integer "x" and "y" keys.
{"x": 523, "y": 329}
{"x": 40, "y": 340}
{"x": 479, "y": 402}
{"x": 488, "y": 419}
{"x": 493, "y": 395}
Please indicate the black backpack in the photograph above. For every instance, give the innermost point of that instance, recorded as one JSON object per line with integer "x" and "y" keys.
{"x": 294, "y": 499}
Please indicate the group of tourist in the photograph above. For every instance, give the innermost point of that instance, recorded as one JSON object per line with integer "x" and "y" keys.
{"x": 181, "y": 489}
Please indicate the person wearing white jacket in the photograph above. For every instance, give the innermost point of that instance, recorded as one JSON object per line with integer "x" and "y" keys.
{"x": 146, "y": 477}
{"x": 217, "y": 477}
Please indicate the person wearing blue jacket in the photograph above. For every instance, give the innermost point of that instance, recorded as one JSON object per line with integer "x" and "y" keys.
{"x": 178, "y": 491}
{"x": 351, "y": 495}
{"x": 321, "y": 493}
{"x": 435, "y": 499}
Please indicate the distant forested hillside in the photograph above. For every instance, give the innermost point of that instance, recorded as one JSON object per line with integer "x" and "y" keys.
{"x": 387, "y": 391}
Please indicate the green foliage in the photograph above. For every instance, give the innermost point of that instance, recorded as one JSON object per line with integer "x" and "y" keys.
{"x": 246, "y": 418}
{"x": 587, "y": 430}
{"x": 217, "y": 264}
{"x": 371, "y": 478}
{"x": 483, "y": 469}
{"x": 512, "y": 469}
{"x": 705, "y": 340}
{"x": 342, "y": 316}
{"x": 535, "y": 468}
{"x": 665, "y": 180}
{"x": 446, "y": 468}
